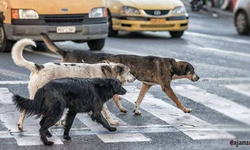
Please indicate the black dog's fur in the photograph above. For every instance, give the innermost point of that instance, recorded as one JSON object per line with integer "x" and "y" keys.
{"x": 79, "y": 95}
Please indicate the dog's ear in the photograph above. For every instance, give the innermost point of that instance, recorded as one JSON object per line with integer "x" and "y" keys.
{"x": 105, "y": 61}
{"x": 106, "y": 70}
{"x": 119, "y": 69}
{"x": 183, "y": 68}
{"x": 117, "y": 86}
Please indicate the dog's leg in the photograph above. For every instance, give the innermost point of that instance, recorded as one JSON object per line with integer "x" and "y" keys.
{"x": 63, "y": 121}
{"x": 106, "y": 112}
{"x": 47, "y": 133}
{"x": 69, "y": 121}
{"x": 144, "y": 90}
{"x": 44, "y": 130}
{"x": 168, "y": 90}
{"x": 97, "y": 115}
{"x": 20, "y": 122}
{"x": 117, "y": 102}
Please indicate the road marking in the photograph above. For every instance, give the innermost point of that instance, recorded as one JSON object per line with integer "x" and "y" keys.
{"x": 113, "y": 137}
{"x": 217, "y": 51}
{"x": 227, "y": 79}
{"x": 216, "y": 37}
{"x": 14, "y": 74}
{"x": 215, "y": 102}
{"x": 10, "y": 118}
{"x": 13, "y": 82}
{"x": 175, "y": 117}
{"x": 240, "y": 88}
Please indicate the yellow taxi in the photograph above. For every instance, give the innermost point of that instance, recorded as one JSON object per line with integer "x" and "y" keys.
{"x": 147, "y": 15}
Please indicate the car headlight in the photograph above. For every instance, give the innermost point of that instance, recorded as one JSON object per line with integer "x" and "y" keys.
{"x": 179, "y": 10}
{"x": 129, "y": 10}
{"x": 24, "y": 14}
{"x": 98, "y": 13}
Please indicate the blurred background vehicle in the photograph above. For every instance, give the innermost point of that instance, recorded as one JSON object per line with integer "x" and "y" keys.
{"x": 147, "y": 15}
{"x": 79, "y": 21}
{"x": 242, "y": 17}
{"x": 197, "y": 5}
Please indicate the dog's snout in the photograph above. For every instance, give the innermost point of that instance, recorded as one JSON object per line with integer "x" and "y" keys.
{"x": 123, "y": 91}
{"x": 131, "y": 78}
{"x": 195, "y": 77}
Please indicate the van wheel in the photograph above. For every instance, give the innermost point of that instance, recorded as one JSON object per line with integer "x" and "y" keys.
{"x": 176, "y": 34}
{"x": 96, "y": 45}
{"x": 241, "y": 23}
{"x": 112, "y": 33}
{"x": 5, "y": 45}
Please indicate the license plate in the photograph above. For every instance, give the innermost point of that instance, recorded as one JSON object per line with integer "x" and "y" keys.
{"x": 70, "y": 29}
{"x": 158, "y": 21}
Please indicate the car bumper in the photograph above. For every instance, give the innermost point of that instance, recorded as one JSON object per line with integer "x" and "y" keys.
{"x": 83, "y": 32}
{"x": 179, "y": 23}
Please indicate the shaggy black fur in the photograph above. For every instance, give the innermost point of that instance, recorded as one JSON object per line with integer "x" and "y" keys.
{"x": 79, "y": 95}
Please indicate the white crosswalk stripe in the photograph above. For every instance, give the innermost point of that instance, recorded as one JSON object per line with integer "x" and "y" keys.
{"x": 240, "y": 88}
{"x": 115, "y": 137}
{"x": 227, "y": 107}
{"x": 192, "y": 126}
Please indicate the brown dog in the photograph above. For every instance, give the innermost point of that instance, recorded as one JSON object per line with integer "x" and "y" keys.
{"x": 150, "y": 70}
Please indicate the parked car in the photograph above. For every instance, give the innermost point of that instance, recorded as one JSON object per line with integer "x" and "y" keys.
{"x": 147, "y": 15}
{"x": 76, "y": 20}
{"x": 242, "y": 17}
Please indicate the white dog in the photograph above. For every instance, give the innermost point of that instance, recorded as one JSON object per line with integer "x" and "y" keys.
{"x": 42, "y": 74}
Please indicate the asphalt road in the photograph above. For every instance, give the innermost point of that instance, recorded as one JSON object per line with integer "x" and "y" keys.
{"x": 220, "y": 99}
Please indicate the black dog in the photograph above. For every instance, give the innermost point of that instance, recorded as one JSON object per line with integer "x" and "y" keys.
{"x": 79, "y": 95}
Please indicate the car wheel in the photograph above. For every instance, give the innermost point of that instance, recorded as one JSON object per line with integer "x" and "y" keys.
{"x": 5, "y": 45}
{"x": 112, "y": 33}
{"x": 176, "y": 34}
{"x": 96, "y": 45}
{"x": 241, "y": 23}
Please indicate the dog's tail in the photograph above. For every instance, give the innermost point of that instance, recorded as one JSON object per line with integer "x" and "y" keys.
{"x": 51, "y": 46}
{"x": 24, "y": 104}
{"x": 17, "y": 54}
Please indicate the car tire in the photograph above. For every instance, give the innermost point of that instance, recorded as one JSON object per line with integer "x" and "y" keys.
{"x": 41, "y": 46}
{"x": 96, "y": 45}
{"x": 5, "y": 45}
{"x": 176, "y": 34}
{"x": 111, "y": 33}
{"x": 241, "y": 23}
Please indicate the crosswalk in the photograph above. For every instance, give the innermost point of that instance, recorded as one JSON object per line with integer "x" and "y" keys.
{"x": 175, "y": 120}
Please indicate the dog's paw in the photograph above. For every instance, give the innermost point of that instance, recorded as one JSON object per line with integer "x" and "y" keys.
{"x": 67, "y": 137}
{"x": 185, "y": 110}
{"x": 124, "y": 110}
{"x": 57, "y": 124}
{"x": 20, "y": 128}
{"x": 113, "y": 122}
{"x": 137, "y": 112}
{"x": 49, "y": 143}
{"x": 112, "y": 129}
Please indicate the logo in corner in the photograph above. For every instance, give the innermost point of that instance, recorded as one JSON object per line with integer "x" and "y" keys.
{"x": 231, "y": 142}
